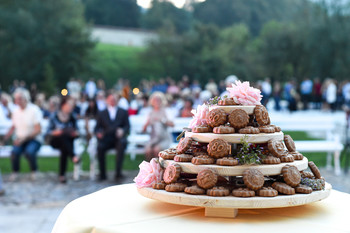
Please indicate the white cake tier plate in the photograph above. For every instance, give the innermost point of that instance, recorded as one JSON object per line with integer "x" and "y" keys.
{"x": 236, "y": 137}
{"x": 228, "y": 109}
{"x": 228, "y": 206}
{"x": 266, "y": 169}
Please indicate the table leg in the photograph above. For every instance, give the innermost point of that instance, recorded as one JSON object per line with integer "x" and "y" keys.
{"x": 220, "y": 212}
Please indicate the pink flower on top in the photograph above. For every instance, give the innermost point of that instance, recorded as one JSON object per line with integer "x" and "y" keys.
{"x": 244, "y": 94}
{"x": 199, "y": 116}
{"x": 149, "y": 173}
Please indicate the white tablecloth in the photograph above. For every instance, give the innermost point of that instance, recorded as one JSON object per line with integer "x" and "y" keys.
{"x": 122, "y": 209}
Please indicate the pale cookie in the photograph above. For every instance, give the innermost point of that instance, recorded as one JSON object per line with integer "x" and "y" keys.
{"x": 227, "y": 161}
{"x": 303, "y": 189}
{"x": 271, "y": 160}
{"x": 291, "y": 175}
{"x": 287, "y": 158}
{"x": 202, "y": 129}
{"x": 194, "y": 190}
{"x": 159, "y": 185}
{"x": 183, "y": 158}
{"x": 175, "y": 187}
{"x": 243, "y": 192}
{"x": 283, "y": 188}
{"x": 267, "y": 192}
{"x": 249, "y": 130}
{"x": 202, "y": 159}
{"x": 223, "y": 129}
{"x": 219, "y": 191}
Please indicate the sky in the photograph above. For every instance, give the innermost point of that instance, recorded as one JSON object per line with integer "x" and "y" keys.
{"x": 147, "y": 3}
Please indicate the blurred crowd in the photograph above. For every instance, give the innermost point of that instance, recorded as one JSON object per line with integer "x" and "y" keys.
{"x": 159, "y": 101}
{"x": 184, "y": 95}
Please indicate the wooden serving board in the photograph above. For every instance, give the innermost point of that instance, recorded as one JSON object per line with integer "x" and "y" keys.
{"x": 228, "y": 206}
{"x": 235, "y": 138}
{"x": 228, "y": 109}
{"x": 266, "y": 169}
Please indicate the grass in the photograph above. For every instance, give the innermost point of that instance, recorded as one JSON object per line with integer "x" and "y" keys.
{"x": 51, "y": 164}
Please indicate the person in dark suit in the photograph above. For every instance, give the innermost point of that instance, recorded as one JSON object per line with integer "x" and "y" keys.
{"x": 112, "y": 127}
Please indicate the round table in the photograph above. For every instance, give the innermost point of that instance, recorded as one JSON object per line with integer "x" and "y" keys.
{"x": 122, "y": 209}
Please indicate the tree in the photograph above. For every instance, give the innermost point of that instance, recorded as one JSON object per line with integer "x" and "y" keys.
{"x": 121, "y": 13}
{"x": 35, "y": 33}
{"x": 164, "y": 15}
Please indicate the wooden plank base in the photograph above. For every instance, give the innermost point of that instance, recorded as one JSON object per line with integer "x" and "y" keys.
{"x": 221, "y": 212}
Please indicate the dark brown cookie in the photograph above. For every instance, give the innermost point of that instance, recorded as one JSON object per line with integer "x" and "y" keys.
{"x": 171, "y": 173}
{"x": 175, "y": 187}
{"x": 291, "y": 175}
{"x": 276, "y": 148}
{"x": 287, "y": 158}
{"x": 283, "y": 188}
{"x": 303, "y": 189}
{"x": 159, "y": 185}
{"x": 194, "y": 190}
{"x": 238, "y": 118}
{"x": 296, "y": 155}
{"x": 226, "y": 102}
{"x": 227, "y": 161}
{"x": 249, "y": 130}
{"x": 218, "y": 191}
{"x": 271, "y": 160}
{"x": 218, "y": 148}
{"x": 267, "y": 192}
{"x": 216, "y": 117}
{"x": 223, "y": 129}
{"x": 266, "y": 129}
{"x": 253, "y": 178}
{"x": 183, "y": 158}
{"x": 184, "y": 144}
{"x": 314, "y": 169}
{"x": 202, "y": 159}
{"x": 207, "y": 178}
{"x": 243, "y": 192}
{"x": 289, "y": 143}
{"x": 202, "y": 129}
{"x": 261, "y": 115}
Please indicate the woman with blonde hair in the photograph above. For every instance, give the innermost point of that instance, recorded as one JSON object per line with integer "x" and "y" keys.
{"x": 159, "y": 123}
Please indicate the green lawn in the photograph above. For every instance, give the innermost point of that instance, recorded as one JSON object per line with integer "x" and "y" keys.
{"x": 51, "y": 164}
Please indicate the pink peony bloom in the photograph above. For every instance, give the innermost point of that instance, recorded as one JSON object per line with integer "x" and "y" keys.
{"x": 244, "y": 94}
{"x": 199, "y": 116}
{"x": 149, "y": 173}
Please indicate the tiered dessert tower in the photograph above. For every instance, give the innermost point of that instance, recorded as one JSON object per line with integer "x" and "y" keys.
{"x": 234, "y": 158}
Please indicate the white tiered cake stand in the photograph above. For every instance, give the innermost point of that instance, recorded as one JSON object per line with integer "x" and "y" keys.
{"x": 228, "y": 206}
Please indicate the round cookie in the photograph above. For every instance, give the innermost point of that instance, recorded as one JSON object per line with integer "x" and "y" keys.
{"x": 267, "y": 192}
{"x": 277, "y": 128}
{"x": 266, "y": 129}
{"x": 261, "y": 115}
{"x": 243, "y": 192}
{"x": 291, "y": 175}
{"x": 276, "y": 148}
{"x": 253, "y": 178}
{"x": 287, "y": 158}
{"x": 296, "y": 155}
{"x": 166, "y": 154}
{"x": 207, "y": 178}
{"x": 183, "y": 158}
{"x": 227, "y": 161}
{"x": 159, "y": 185}
{"x": 249, "y": 130}
{"x": 175, "y": 187}
{"x": 171, "y": 173}
{"x": 289, "y": 143}
{"x": 238, "y": 118}
{"x": 223, "y": 129}
{"x": 314, "y": 169}
{"x": 271, "y": 160}
{"x": 184, "y": 145}
{"x": 218, "y": 191}
{"x": 202, "y": 129}
{"x": 306, "y": 174}
{"x": 303, "y": 189}
{"x": 226, "y": 102}
{"x": 218, "y": 148}
{"x": 216, "y": 117}
{"x": 194, "y": 190}
{"x": 283, "y": 188}
{"x": 202, "y": 159}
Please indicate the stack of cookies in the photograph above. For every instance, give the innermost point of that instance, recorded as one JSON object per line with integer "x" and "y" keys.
{"x": 209, "y": 147}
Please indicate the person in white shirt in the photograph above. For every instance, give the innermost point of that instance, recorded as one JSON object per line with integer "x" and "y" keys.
{"x": 26, "y": 127}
